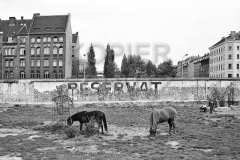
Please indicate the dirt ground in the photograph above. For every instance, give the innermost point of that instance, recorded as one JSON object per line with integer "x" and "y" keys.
{"x": 26, "y": 132}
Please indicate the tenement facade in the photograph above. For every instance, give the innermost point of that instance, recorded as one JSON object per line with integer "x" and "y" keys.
{"x": 40, "y": 47}
{"x": 201, "y": 66}
{"x": 224, "y": 56}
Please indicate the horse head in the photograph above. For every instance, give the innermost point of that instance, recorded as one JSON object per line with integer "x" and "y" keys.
{"x": 69, "y": 121}
{"x": 152, "y": 132}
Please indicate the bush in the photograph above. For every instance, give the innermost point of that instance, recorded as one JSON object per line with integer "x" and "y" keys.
{"x": 92, "y": 127}
{"x": 70, "y": 132}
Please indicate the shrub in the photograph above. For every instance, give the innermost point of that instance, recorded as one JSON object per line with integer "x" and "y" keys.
{"x": 70, "y": 132}
{"x": 92, "y": 127}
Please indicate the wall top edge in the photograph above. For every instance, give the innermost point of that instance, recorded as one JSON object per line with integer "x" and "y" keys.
{"x": 117, "y": 79}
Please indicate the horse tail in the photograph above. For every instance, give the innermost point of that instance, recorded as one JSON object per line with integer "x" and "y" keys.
{"x": 104, "y": 122}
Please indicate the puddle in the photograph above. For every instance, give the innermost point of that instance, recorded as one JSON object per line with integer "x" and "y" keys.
{"x": 14, "y": 132}
{"x": 33, "y": 137}
{"x": 8, "y": 157}
{"x": 173, "y": 144}
{"x": 86, "y": 149}
{"x": 164, "y": 134}
{"x": 7, "y": 134}
{"x": 48, "y": 148}
{"x": 206, "y": 150}
{"x": 215, "y": 119}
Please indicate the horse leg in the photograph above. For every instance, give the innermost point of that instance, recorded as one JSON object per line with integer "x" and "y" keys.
{"x": 174, "y": 127}
{"x": 101, "y": 125}
{"x": 81, "y": 126}
{"x": 170, "y": 125}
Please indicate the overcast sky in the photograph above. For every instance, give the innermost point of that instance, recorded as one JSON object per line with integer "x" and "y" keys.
{"x": 187, "y": 26}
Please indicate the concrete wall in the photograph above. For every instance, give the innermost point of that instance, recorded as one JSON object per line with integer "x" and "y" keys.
{"x": 42, "y": 91}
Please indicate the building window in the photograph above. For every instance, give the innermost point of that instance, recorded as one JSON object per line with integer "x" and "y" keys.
{"x": 38, "y": 40}
{"x": 60, "y": 63}
{"x": 60, "y": 50}
{"x": 229, "y": 56}
{"x": 54, "y": 62}
{"x": 229, "y": 48}
{"x": 60, "y": 39}
{"x": 32, "y": 40}
{"x": 49, "y": 39}
{"x": 22, "y": 74}
{"x": 5, "y": 51}
{"x": 22, "y": 63}
{"x": 237, "y": 56}
{"x": 237, "y": 75}
{"x": 38, "y": 50}
{"x": 54, "y": 50}
{"x": 60, "y": 74}
{"x": 13, "y": 51}
{"x": 32, "y": 51}
{"x": 32, "y": 62}
{"x": 22, "y": 51}
{"x": 229, "y": 75}
{"x": 54, "y": 74}
{"x": 238, "y": 48}
{"x": 11, "y": 63}
{"x": 46, "y": 50}
{"x": 38, "y": 74}
{"x": 6, "y": 63}
{"x": 44, "y": 39}
{"x": 38, "y": 63}
{"x": 46, "y": 62}
{"x": 32, "y": 74}
{"x": 6, "y": 75}
{"x": 46, "y": 74}
{"x": 11, "y": 74}
{"x": 54, "y": 39}
{"x": 237, "y": 66}
{"x": 229, "y": 66}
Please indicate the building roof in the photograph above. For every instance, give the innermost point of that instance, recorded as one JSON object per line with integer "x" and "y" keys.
{"x": 74, "y": 37}
{"x": 232, "y": 36}
{"x": 49, "y": 24}
{"x": 20, "y": 28}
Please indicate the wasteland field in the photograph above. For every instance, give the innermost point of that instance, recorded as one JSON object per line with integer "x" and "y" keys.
{"x": 27, "y": 132}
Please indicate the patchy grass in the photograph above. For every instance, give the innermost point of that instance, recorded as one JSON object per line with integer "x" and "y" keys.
{"x": 199, "y": 135}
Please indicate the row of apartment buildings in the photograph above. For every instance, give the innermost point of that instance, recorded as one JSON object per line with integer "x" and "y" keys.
{"x": 223, "y": 60}
{"x": 41, "y": 47}
{"x": 194, "y": 66}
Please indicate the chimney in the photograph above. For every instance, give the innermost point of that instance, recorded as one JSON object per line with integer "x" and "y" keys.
{"x": 12, "y": 21}
{"x": 22, "y": 20}
{"x": 37, "y": 14}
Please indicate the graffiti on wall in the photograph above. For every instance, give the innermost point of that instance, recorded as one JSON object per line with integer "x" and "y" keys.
{"x": 41, "y": 92}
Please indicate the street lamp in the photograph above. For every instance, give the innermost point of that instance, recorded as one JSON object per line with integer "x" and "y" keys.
{"x": 84, "y": 66}
{"x": 182, "y": 63}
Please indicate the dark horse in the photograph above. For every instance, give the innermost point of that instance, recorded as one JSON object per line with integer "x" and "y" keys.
{"x": 167, "y": 114}
{"x": 84, "y": 117}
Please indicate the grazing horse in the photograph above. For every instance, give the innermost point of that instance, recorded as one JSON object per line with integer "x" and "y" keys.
{"x": 167, "y": 114}
{"x": 84, "y": 116}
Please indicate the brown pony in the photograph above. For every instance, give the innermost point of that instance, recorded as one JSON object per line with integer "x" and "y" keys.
{"x": 167, "y": 114}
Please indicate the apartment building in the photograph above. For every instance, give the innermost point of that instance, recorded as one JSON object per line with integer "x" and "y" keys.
{"x": 186, "y": 68}
{"x": 40, "y": 47}
{"x": 201, "y": 66}
{"x": 224, "y": 56}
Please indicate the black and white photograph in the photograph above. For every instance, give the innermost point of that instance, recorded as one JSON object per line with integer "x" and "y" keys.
{"x": 119, "y": 80}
